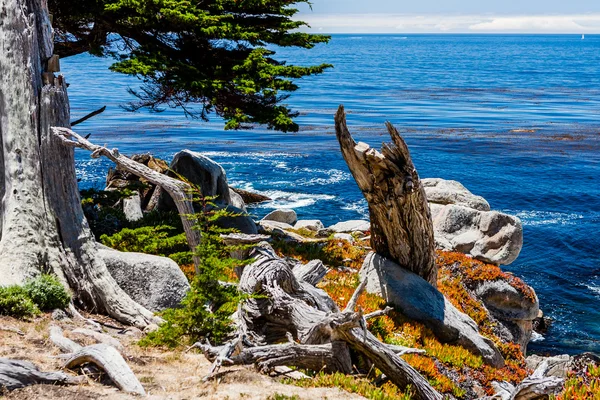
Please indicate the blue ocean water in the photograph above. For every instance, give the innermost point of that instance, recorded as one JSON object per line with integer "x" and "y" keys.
{"x": 514, "y": 118}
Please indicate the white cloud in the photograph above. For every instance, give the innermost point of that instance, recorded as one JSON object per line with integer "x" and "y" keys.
{"x": 402, "y": 23}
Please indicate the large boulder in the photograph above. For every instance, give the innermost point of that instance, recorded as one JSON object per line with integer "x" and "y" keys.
{"x": 419, "y": 300}
{"x": 251, "y": 197}
{"x": 440, "y": 191}
{"x": 237, "y": 200}
{"x": 489, "y": 236}
{"x": 351, "y": 226}
{"x": 154, "y": 282}
{"x": 286, "y": 216}
{"x": 200, "y": 171}
{"x": 515, "y": 308}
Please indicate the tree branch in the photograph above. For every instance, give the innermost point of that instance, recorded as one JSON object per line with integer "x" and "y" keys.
{"x": 90, "y": 115}
{"x": 180, "y": 191}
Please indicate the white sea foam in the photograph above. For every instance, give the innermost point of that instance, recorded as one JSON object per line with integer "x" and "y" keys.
{"x": 251, "y": 154}
{"x": 536, "y": 218}
{"x": 594, "y": 288}
{"x": 360, "y": 207}
{"x": 282, "y": 199}
{"x": 536, "y": 337}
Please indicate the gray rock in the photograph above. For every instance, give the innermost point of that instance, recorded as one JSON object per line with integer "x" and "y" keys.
{"x": 558, "y": 366}
{"x": 511, "y": 308}
{"x": 286, "y": 216}
{"x": 132, "y": 208}
{"x": 440, "y": 191}
{"x": 419, "y": 300}
{"x": 201, "y": 171}
{"x": 489, "y": 236}
{"x": 237, "y": 200}
{"x": 310, "y": 224}
{"x": 155, "y": 282}
{"x": 60, "y": 315}
{"x": 351, "y": 226}
{"x": 344, "y": 236}
{"x": 268, "y": 226}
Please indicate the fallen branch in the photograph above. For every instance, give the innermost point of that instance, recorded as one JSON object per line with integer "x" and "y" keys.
{"x": 15, "y": 374}
{"x": 180, "y": 191}
{"x": 90, "y": 115}
{"x": 109, "y": 360}
{"x": 12, "y": 329}
{"x": 64, "y": 344}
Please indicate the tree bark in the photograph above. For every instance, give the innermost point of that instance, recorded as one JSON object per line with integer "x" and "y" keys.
{"x": 42, "y": 225}
{"x": 401, "y": 227}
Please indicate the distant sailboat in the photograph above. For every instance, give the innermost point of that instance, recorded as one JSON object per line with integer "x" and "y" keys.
{"x": 582, "y": 37}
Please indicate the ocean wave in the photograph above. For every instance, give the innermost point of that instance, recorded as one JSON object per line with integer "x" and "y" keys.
{"x": 537, "y": 218}
{"x": 251, "y": 154}
{"x": 360, "y": 207}
{"x": 594, "y": 288}
{"x": 536, "y": 337}
{"x": 282, "y": 199}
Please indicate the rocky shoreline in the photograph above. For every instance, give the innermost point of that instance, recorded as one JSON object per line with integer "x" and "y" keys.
{"x": 463, "y": 223}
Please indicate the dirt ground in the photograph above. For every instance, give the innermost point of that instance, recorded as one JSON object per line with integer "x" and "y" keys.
{"x": 164, "y": 374}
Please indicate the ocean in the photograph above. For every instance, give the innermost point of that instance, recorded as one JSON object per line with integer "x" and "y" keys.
{"x": 515, "y": 118}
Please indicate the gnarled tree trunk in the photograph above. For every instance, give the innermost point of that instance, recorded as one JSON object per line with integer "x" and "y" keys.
{"x": 42, "y": 224}
{"x": 401, "y": 227}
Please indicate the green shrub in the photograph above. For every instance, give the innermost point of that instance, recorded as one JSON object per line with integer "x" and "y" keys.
{"x": 15, "y": 302}
{"x": 47, "y": 292}
{"x": 158, "y": 240}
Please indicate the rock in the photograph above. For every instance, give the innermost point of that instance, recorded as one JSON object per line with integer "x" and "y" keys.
{"x": 310, "y": 224}
{"x": 419, "y": 300}
{"x": 268, "y": 226}
{"x": 59, "y": 315}
{"x": 237, "y": 201}
{"x": 251, "y": 197}
{"x": 558, "y": 366}
{"x": 283, "y": 215}
{"x": 202, "y": 172}
{"x": 513, "y": 308}
{"x": 155, "y": 282}
{"x": 489, "y": 236}
{"x": 344, "y": 236}
{"x": 132, "y": 208}
{"x": 440, "y": 191}
{"x": 542, "y": 323}
{"x": 351, "y": 226}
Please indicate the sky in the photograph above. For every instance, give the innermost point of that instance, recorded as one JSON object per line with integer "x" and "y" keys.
{"x": 452, "y": 16}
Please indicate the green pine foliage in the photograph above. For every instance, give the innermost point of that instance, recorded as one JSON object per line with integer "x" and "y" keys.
{"x": 47, "y": 293}
{"x": 214, "y": 56}
{"x": 206, "y": 311}
{"x": 159, "y": 240}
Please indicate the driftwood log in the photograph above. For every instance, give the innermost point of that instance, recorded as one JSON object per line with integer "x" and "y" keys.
{"x": 15, "y": 374}
{"x": 102, "y": 356}
{"x": 401, "y": 227}
{"x": 314, "y": 332}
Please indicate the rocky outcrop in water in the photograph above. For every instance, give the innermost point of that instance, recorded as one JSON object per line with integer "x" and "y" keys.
{"x": 286, "y": 216}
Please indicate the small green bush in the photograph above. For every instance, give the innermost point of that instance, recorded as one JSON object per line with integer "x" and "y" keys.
{"x": 15, "y": 302}
{"x": 47, "y": 293}
{"x": 206, "y": 311}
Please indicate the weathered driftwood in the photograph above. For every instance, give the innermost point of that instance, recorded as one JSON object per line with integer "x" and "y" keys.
{"x": 15, "y": 374}
{"x": 291, "y": 310}
{"x": 312, "y": 272}
{"x": 180, "y": 191}
{"x": 12, "y": 329}
{"x": 99, "y": 337}
{"x": 538, "y": 385}
{"x": 102, "y": 356}
{"x": 66, "y": 345}
{"x": 401, "y": 227}
{"x": 41, "y": 220}
{"x": 109, "y": 360}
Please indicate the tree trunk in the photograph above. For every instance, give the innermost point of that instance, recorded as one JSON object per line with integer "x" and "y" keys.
{"x": 43, "y": 228}
{"x": 401, "y": 227}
